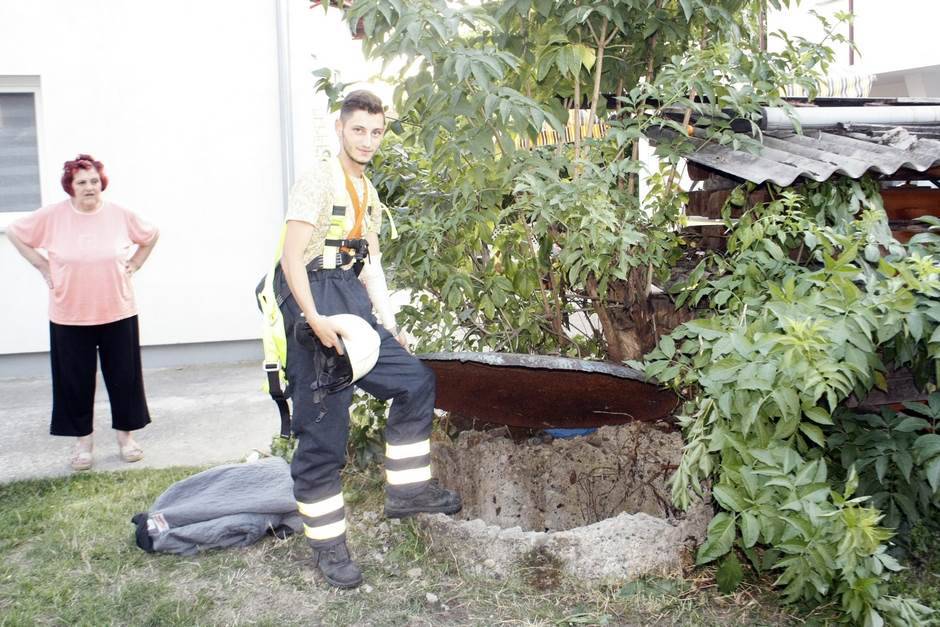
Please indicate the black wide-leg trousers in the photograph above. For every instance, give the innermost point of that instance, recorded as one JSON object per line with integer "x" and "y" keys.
{"x": 74, "y": 352}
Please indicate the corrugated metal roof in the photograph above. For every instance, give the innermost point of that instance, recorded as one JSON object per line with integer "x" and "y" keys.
{"x": 782, "y": 157}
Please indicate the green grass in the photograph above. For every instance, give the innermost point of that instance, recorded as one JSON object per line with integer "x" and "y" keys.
{"x": 67, "y": 557}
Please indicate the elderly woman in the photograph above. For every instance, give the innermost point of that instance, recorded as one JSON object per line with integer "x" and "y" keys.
{"x": 90, "y": 258}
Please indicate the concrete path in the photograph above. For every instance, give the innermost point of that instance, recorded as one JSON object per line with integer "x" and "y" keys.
{"x": 201, "y": 415}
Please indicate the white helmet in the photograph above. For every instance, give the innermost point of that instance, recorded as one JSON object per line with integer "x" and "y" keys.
{"x": 360, "y": 351}
{"x": 360, "y": 343}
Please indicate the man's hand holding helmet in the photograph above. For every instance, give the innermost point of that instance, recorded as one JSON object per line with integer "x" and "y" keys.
{"x": 327, "y": 331}
{"x": 352, "y": 357}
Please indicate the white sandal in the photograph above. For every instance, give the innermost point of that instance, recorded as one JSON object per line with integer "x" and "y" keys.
{"x": 81, "y": 459}
{"x": 132, "y": 453}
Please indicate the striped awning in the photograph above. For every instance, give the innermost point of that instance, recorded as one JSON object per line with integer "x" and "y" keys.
{"x": 837, "y": 84}
{"x": 590, "y": 129}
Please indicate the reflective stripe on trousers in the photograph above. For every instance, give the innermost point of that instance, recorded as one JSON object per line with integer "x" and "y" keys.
{"x": 324, "y": 520}
{"x": 408, "y": 463}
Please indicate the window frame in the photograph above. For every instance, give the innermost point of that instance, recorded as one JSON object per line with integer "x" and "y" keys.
{"x": 26, "y": 84}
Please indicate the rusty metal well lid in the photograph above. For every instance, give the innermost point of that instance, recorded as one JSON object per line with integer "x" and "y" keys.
{"x": 542, "y": 391}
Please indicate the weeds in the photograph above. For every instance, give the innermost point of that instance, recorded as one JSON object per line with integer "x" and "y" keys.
{"x": 67, "y": 556}
{"x": 922, "y": 578}
{"x": 541, "y": 569}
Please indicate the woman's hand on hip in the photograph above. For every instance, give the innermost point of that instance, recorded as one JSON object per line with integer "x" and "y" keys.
{"x": 37, "y": 260}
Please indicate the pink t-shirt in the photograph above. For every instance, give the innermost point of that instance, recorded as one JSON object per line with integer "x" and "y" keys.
{"x": 86, "y": 259}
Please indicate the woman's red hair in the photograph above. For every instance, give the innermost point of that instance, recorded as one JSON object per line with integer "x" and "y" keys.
{"x": 82, "y": 162}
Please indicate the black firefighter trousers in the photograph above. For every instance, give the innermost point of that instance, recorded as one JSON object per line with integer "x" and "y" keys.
{"x": 321, "y": 448}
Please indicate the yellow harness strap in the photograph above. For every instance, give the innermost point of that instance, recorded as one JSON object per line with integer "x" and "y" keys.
{"x": 274, "y": 341}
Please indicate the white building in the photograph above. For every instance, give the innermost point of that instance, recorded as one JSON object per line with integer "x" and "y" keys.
{"x": 896, "y": 41}
{"x": 202, "y": 113}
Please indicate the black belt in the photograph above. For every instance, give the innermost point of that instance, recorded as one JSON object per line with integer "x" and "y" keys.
{"x": 361, "y": 251}
{"x": 342, "y": 258}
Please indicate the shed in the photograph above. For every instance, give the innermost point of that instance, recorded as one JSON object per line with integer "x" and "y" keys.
{"x": 895, "y": 140}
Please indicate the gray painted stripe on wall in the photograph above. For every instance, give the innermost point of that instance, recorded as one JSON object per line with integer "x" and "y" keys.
{"x": 163, "y": 356}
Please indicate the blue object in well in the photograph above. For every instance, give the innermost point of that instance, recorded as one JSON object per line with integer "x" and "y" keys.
{"x": 569, "y": 433}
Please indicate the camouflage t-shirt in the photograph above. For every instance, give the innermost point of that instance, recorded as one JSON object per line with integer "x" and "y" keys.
{"x": 311, "y": 200}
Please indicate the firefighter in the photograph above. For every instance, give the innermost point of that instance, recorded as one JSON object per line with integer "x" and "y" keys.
{"x": 333, "y": 219}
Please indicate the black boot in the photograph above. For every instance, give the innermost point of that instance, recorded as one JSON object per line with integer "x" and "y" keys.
{"x": 432, "y": 500}
{"x": 337, "y": 566}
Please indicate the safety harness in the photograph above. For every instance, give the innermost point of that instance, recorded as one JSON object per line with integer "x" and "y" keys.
{"x": 339, "y": 250}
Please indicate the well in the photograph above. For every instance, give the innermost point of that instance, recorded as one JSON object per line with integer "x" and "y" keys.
{"x": 596, "y": 507}
{"x": 560, "y": 484}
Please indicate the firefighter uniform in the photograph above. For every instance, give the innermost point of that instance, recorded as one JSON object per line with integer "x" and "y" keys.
{"x": 321, "y": 423}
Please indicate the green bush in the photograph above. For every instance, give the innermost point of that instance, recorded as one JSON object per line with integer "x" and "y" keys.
{"x": 897, "y": 457}
{"x": 802, "y": 312}
{"x": 367, "y": 418}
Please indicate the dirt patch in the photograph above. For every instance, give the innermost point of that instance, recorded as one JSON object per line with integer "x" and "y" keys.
{"x": 599, "y": 503}
{"x": 554, "y": 485}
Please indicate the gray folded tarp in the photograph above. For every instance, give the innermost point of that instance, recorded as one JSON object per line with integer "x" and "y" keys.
{"x": 231, "y": 505}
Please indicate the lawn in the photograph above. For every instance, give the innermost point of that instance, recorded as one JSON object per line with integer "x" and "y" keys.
{"x": 67, "y": 557}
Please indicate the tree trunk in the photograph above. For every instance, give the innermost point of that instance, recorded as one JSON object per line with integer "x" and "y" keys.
{"x": 634, "y": 323}
{"x": 602, "y": 309}
{"x": 631, "y": 321}
{"x": 577, "y": 120}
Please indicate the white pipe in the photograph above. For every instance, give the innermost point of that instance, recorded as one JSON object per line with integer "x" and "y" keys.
{"x": 284, "y": 99}
{"x": 776, "y": 118}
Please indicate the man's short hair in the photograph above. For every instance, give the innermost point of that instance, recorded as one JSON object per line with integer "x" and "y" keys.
{"x": 361, "y": 100}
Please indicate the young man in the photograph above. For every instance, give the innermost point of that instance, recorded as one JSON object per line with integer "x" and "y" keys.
{"x": 329, "y": 211}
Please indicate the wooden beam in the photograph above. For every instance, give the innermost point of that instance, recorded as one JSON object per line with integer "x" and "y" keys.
{"x": 910, "y": 203}
{"x": 901, "y": 389}
{"x": 708, "y": 203}
{"x": 905, "y": 174}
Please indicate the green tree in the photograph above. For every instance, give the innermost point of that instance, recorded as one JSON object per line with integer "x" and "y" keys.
{"x": 507, "y": 245}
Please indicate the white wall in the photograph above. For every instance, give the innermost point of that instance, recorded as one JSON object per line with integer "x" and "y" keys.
{"x": 916, "y": 83}
{"x": 897, "y": 34}
{"x": 891, "y": 35}
{"x": 179, "y": 99}
{"x": 319, "y": 39}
